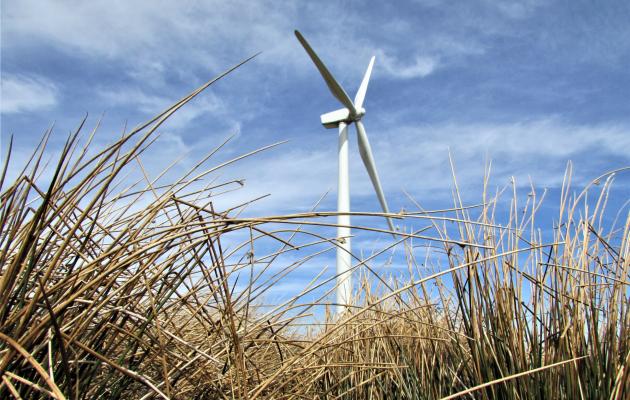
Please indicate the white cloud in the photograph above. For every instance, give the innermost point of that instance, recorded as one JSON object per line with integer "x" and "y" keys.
{"x": 139, "y": 100}
{"x": 295, "y": 177}
{"x": 132, "y": 96}
{"x": 177, "y": 37}
{"x": 22, "y": 93}
{"x": 515, "y": 9}
{"x": 96, "y": 27}
{"x": 419, "y": 68}
{"x": 537, "y": 148}
{"x": 415, "y": 158}
{"x": 180, "y": 35}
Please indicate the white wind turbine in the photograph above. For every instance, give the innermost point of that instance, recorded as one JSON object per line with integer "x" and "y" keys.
{"x": 352, "y": 112}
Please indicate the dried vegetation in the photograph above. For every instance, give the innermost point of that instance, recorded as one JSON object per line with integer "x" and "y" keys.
{"x": 118, "y": 289}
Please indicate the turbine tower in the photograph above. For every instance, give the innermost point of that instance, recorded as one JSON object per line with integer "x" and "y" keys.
{"x": 352, "y": 112}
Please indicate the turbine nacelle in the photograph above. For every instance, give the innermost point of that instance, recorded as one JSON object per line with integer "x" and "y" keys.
{"x": 332, "y": 119}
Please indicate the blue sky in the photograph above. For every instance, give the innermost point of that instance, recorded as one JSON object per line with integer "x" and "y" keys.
{"x": 530, "y": 85}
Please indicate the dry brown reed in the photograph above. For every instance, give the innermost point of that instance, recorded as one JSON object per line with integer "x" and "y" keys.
{"x": 103, "y": 298}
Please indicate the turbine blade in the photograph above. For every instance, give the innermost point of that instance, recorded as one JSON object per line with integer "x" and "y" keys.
{"x": 360, "y": 96}
{"x": 334, "y": 87}
{"x": 368, "y": 160}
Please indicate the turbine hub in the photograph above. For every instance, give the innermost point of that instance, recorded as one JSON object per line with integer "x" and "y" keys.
{"x": 360, "y": 113}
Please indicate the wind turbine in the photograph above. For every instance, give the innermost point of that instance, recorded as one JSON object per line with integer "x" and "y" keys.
{"x": 351, "y": 112}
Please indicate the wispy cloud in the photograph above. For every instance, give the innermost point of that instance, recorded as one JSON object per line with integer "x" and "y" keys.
{"x": 215, "y": 33}
{"x": 419, "y": 67}
{"x": 515, "y": 9}
{"x": 183, "y": 37}
{"x": 416, "y": 158}
{"x": 539, "y": 149}
{"x": 21, "y": 93}
{"x": 136, "y": 99}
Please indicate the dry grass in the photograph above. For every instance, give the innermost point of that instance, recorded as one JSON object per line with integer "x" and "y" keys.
{"x": 102, "y": 298}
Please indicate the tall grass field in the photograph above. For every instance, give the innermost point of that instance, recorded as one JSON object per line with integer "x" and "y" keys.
{"x": 121, "y": 288}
